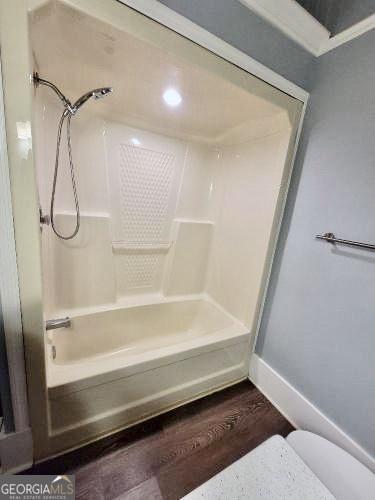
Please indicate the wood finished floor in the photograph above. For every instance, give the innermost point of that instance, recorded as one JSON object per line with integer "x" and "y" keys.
{"x": 170, "y": 455}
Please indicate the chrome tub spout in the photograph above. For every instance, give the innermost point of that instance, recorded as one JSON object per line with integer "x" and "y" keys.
{"x": 52, "y": 324}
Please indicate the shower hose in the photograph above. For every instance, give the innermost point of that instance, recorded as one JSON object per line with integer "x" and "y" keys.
{"x": 66, "y": 115}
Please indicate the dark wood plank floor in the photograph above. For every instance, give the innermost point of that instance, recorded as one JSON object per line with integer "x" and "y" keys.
{"x": 168, "y": 456}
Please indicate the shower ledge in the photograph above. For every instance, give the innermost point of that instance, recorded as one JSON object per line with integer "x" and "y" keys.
{"x": 98, "y": 215}
{"x": 142, "y": 246}
{"x": 130, "y": 301}
{"x": 194, "y": 221}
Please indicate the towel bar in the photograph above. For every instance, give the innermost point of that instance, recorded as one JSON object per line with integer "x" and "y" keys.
{"x": 331, "y": 238}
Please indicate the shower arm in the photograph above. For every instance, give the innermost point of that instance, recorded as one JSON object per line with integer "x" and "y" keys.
{"x": 40, "y": 81}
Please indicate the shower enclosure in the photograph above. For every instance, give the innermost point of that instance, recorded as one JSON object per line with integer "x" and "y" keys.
{"x": 181, "y": 175}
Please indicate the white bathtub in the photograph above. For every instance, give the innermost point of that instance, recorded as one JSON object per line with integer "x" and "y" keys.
{"x": 115, "y": 367}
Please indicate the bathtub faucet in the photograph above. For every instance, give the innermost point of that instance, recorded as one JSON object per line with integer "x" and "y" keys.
{"x": 52, "y": 324}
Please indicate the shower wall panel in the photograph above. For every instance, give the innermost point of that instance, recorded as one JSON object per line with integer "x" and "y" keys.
{"x": 145, "y": 172}
{"x": 88, "y": 155}
{"x": 199, "y": 183}
{"x": 143, "y": 198}
{"x": 249, "y": 178}
{"x": 76, "y": 273}
{"x": 159, "y": 215}
{"x": 189, "y": 257}
{"x": 82, "y": 268}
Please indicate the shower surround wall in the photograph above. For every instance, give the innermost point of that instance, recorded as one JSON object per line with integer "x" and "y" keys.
{"x": 163, "y": 280}
{"x": 160, "y": 216}
{"x": 249, "y": 178}
{"x": 132, "y": 203}
{"x": 179, "y": 212}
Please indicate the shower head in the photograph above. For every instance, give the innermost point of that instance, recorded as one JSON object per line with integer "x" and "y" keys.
{"x": 72, "y": 108}
{"x": 69, "y": 111}
{"x": 99, "y": 93}
{"x": 96, "y": 94}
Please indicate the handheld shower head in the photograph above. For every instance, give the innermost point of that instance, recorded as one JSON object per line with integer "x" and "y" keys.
{"x": 96, "y": 94}
{"x": 69, "y": 111}
{"x": 69, "y": 107}
{"x": 99, "y": 93}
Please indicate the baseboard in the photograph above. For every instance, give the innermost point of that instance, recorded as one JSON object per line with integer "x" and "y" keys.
{"x": 16, "y": 451}
{"x": 300, "y": 412}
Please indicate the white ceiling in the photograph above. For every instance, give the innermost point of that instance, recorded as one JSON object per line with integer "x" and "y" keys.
{"x": 79, "y": 53}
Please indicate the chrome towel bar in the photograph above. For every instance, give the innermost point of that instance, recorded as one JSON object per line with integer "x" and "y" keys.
{"x": 331, "y": 238}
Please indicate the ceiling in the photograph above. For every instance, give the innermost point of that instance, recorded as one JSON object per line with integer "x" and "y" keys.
{"x": 78, "y": 54}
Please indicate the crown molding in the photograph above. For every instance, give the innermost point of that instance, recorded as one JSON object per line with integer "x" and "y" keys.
{"x": 296, "y": 23}
{"x": 293, "y": 20}
{"x": 345, "y": 36}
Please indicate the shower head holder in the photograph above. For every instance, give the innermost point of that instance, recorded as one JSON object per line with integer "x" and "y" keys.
{"x": 70, "y": 108}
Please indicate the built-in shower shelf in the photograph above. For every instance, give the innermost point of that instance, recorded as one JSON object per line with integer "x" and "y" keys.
{"x": 96, "y": 215}
{"x": 141, "y": 246}
{"x": 186, "y": 220}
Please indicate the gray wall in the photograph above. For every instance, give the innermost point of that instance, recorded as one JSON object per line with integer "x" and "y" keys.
{"x": 325, "y": 11}
{"x": 351, "y": 12}
{"x": 318, "y": 330}
{"x": 237, "y": 25}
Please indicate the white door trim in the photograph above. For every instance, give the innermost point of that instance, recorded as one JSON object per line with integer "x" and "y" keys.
{"x": 300, "y": 412}
{"x": 9, "y": 290}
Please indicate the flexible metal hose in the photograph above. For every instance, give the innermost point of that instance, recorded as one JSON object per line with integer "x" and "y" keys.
{"x": 67, "y": 115}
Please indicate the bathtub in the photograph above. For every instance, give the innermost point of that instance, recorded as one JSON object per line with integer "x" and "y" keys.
{"x": 114, "y": 367}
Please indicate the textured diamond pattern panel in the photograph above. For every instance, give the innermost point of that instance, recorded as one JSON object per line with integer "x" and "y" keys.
{"x": 140, "y": 269}
{"x": 145, "y": 183}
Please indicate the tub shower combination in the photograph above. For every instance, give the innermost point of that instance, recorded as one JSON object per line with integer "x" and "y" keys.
{"x": 163, "y": 202}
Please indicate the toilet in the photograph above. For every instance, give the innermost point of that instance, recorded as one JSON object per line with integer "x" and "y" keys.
{"x": 302, "y": 466}
{"x": 344, "y": 476}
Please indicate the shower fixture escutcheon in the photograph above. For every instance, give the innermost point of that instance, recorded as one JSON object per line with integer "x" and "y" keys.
{"x": 69, "y": 111}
